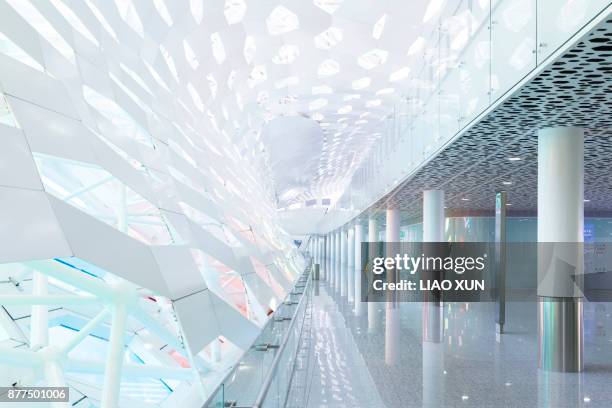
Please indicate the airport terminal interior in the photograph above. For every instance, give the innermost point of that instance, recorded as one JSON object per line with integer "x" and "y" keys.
{"x": 191, "y": 190}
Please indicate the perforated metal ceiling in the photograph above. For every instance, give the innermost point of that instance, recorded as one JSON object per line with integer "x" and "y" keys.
{"x": 576, "y": 90}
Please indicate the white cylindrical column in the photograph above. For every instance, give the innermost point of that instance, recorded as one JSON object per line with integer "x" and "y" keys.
{"x": 332, "y": 259}
{"x": 392, "y": 327}
{"x": 343, "y": 262}
{"x": 359, "y": 238}
{"x": 433, "y": 216}
{"x": 560, "y": 248}
{"x": 39, "y": 323}
{"x": 433, "y": 231}
{"x": 338, "y": 273}
{"x": 432, "y": 315}
{"x": 373, "y": 316}
{"x": 350, "y": 264}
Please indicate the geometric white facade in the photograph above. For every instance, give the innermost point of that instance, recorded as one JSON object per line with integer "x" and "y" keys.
{"x": 139, "y": 253}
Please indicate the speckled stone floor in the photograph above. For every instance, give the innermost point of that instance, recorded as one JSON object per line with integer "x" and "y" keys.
{"x": 471, "y": 367}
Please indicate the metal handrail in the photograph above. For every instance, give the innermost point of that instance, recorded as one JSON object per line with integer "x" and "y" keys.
{"x": 253, "y": 344}
{"x": 272, "y": 371}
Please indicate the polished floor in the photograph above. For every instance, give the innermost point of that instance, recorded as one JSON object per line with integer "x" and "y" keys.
{"x": 471, "y": 367}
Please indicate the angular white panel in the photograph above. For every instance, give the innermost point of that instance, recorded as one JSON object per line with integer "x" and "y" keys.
{"x": 17, "y": 167}
{"x": 28, "y": 227}
{"x": 198, "y": 320}
{"x": 54, "y": 134}
{"x": 237, "y": 328}
{"x": 178, "y": 268}
{"x": 26, "y": 83}
{"x": 108, "y": 248}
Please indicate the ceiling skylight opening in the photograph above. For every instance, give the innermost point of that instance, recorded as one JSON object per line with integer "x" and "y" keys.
{"x": 287, "y": 82}
{"x": 286, "y": 54}
{"x": 249, "y": 48}
{"x": 373, "y": 58}
{"x": 74, "y": 21}
{"x": 197, "y": 10}
{"x": 417, "y": 46}
{"x": 197, "y": 100}
{"x": 345, "y": 109}
{"x": 328, "y": 38}
{"x": 361, "y": 83}
{"x": 322, "y": 90}
{"x": 218, "y": 49}
{"x": 43, "y": 27}
{"x": 258, "y": 75}
{"x": 385, "y": 91}
{"x": 190, "y": 55}
{"x": 101, "y": 19}
{"x": 351, "y": 97}
{"x": 328, "y": 68}
{"x": 156, "y": 76}
{"x": 212, "y": 85}
{"x": 400, "y": 74}
{"x": 317, "y": 116}
{"x": 160, "y": 6}
{"x": 373, "y": 103}
{"x": 317, "y": 104}
{"x": 169, "y": 61}
{"x": 234, "y": 11}
{"x": 281, "y": 21}
{"x": 433, "y": 9}
{"x": 379, "y": 27}
{"x": 9, "y": 48}
{"x": 128, "y": 13}
{"x": 329, "y": 6}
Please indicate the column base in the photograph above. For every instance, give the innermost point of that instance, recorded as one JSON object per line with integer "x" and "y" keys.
{"x": 560, "y": 334}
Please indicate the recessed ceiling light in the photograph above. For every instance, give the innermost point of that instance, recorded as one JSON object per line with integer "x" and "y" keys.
{"x": 586, "y": 200}
{"x": 508, "y": 204}
{"x": 399, "y": 74}
{"x": 234, "y": 11}
{"x": 465, "y": 199}
{"x": 416, "y": 46}
{"x": 586, "y": 399}
{"x": 507, "y": 183}
{"x": 379, "y": 27}
{"x": 328, "y": 67}
{"x": 286, "y": 54}
{"x": 385, "y": 91}
{"x": 328, "y": 38}
{"x": 321, "y": 89}
{"x": 372, "y": 58}
{"x": 282, "y": 20}
{"x": 373, "y": 103}
{"x": 514, "y": 158}
{"x": 361, "y": 83}
{"x": 465, "y": 397}
{"x": 345, "y": 109}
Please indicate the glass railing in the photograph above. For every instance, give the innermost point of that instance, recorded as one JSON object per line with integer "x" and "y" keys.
{"x": 262, "y": 376}
{"x": 476, "y": 55}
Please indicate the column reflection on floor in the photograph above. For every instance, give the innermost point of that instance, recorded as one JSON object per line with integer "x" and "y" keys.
{"x": 476, "y": 368}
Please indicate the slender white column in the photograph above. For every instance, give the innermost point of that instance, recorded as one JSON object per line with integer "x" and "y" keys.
{"x": 433, "y": 231}
{"x": 350, "y": 264}
{"x": 338, "y": 277}
{"x": 114, "y": 359}
{"x": 433, "y": 334}
{"x": 392, "y": 327}
{"x": 359, "y": 238}
{"x": 560, "y": 237}
{"x": 373, "y": 316}
{"x": 344, "y": 262}
{"x": 332, "y": 260}
{"x": 39, "y": 323}
{"x": 328, "y": 258}
{"x": 433, "y": 216}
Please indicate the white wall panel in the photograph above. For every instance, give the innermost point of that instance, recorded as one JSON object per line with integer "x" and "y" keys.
{"x": 17, "y": 167}
{"x": 178, "y": 268}
{"x": 28, "y": 227}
